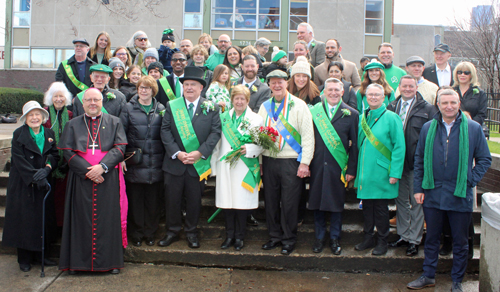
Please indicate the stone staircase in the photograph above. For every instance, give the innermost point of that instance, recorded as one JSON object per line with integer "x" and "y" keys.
{"x": 253, "y": 257}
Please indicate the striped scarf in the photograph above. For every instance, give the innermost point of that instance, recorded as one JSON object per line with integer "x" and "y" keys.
{"x": 55, "y": 127}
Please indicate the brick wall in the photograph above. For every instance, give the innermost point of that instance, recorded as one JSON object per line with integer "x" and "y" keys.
{"x": 29, "y": 79}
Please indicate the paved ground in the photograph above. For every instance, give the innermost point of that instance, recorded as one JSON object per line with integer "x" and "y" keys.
{"x": 146, "y": 277}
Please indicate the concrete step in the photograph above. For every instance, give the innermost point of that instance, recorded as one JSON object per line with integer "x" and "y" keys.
{"x": 4, "y": 179}
{"x": 3, "y": 195}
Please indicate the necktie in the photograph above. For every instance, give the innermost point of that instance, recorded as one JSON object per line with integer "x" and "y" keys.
{"x": 402, "y": 113}
{"x": 190, "y": 110}
{"x": 331, "y": 112}
{"x": 177, "y": 88}
{"x": 247, "y": 85}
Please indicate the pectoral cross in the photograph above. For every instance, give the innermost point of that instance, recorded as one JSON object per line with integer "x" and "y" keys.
{"x": 94, "y": 145}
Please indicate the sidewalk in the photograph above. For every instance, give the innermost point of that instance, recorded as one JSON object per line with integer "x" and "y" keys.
{"x": 146, "y": 277}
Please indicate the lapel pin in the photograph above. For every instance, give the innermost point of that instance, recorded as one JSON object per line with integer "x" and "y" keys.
{"x": 51, "y": 140}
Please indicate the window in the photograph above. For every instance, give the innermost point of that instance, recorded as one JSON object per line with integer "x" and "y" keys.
{"x": 193, "y": 17}
{"x": 298, "y": 12}
{"x": 374, "y": 17}
{"x": 42, "y": 58}
{"x": 20, "y": 58}
{"x": 22, "y": 14}
{"x": 246, "y": 14}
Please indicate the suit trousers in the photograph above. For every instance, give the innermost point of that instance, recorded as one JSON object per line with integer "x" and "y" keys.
{"x": 459, "y": 223}
{"x": 236, "y": 223}
{"x": 376, "y": 213}
{"x": 282, "y": 191}
{"x": 447, "y": 228}
{"x": 27, "y": 257}
{"x": 177, "y": 188}
{"x": 410, "y": 215}
{"x": 320, "y": 224}
{"x": 143, "y": 215}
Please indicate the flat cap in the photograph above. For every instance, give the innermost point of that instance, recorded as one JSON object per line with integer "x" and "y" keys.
{"x": 443, "y": 48}
{"x": 81, "y": 40}
{"x": 100, "y": 68}
{"x": 415, "y": 59}
{"x": 373, "y": 65}
{"x": 277, "y": 74}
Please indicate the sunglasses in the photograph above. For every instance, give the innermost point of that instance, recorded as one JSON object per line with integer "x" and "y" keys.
{"x": 178, "y": 60}
{"x": 142, "y": 39}
{"x": 459, "y": 72}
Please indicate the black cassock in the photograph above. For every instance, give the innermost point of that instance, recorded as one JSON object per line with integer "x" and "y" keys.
{"x": 92, "y": 237}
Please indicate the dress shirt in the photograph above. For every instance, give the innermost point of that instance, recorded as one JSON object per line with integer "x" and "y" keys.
{"x": 180, "y": 83}
{"x": 448, "y": 126}
{"x": 444, "y": 76}
{"x": 195, "y": 103}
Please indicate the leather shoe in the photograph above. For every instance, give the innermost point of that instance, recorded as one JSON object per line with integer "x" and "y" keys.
{"x": 456, "y": 287}
{"x": 25, "y": 267}
{"x": 193, "y": 242}
{"x": 150, "y": 241}
{"x": 318, "y": 245}
{"x": 367, "y": 243}
{"x": 114, "y": 271}
{"x": 421, "y": 283}
{"x": 227, "y": 243}
{"x": 238, "y": 244}
{"x": 393, "y": 222}
{"x": 271, "y": 245}
{"x": 251, "y": 221}
{"x": 412, "y": 250}
{"x": 168, "y": 240}
{"x": 335, "y": 246}
{"x": 398, "y": 243}
{"x": 287, "y": 249}
{"x": 380, "y": 249}
{"x": 136, "y": 241}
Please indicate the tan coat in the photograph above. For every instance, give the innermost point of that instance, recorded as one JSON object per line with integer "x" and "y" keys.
{"x": 350, "y": 72}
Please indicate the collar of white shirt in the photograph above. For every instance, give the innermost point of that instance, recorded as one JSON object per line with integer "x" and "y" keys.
{"x": 249, "y": 84}
{"x": 195, "y": 103}
{"x": 447, "y": 69}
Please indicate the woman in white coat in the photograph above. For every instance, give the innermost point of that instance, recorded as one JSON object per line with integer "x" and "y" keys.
{"x": 237, "y": 187}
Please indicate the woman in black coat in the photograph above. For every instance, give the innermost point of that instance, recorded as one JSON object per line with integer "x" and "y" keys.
{"x": 141, "y": 118}
{"x": 472, "y": 98}
{"x": 34, "y": 153}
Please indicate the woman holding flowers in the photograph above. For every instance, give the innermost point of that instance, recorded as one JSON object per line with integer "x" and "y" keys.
{"x": 238, "y": 183}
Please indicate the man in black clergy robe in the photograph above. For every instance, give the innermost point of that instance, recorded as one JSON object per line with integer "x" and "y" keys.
{"x": 327, "y": 191}
{"x": 93, "y": 144}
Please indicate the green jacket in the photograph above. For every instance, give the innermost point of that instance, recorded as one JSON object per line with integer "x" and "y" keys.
{"x": 374, "y": 170}
{"x": 363, "y": 104}
{"x": 214, "y": 60}
{"x": 393, "y": 76}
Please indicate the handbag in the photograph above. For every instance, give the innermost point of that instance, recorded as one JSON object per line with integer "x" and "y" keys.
{"x": 133, "y": 156}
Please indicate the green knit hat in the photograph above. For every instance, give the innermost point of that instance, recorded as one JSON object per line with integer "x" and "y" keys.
{"x": 280, "y": 54}
{"x": 100, "y": 68}
{"x": 374, "y": 64}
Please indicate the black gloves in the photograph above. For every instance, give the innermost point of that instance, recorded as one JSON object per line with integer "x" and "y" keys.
{"x": 42, "y": 184}
{"x": 41, "y": 174}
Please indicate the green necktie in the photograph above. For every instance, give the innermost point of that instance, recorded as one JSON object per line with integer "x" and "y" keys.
{"x": 402, "y": 114}
{"x": 177, "y": 88}
{"x": 247, "y": 85}
{"x": 331, "y": 112}
{"x": 190, "y": 110}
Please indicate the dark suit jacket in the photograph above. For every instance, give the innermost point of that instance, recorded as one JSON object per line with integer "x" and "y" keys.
{"x": 431, "y": 75}
{"x": 262, "y": 94}
{"x": 327, "y": 192}
{"x": 207, "y": 128}
{"x": 62, "y": 76}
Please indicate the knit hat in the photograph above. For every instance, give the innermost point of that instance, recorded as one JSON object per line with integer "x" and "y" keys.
{"x": 301, "y": 66}
{"x": 114, "y": 62}
{"x": 156, "y": 65}
{"x": 374, "y": 64}
{"x": 168, "y": 34}
{"x": 151, "y": 52}
{"x": 277, "y": 54}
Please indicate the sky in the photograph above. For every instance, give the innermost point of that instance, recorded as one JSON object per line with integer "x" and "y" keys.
{"x": 434, "y": 12}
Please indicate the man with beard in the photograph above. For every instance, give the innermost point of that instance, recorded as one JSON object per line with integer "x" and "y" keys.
{"x": 74, "y": 72}
{"x": 259, "y": 92}
{"x": 316, "y": 48}
{"x": 332, "y": 53}
{"x": 217, "y": 58}
{"x": 113, "y": 100}
{"x": 186, "y": 47}
{"x": 392, "y": 73}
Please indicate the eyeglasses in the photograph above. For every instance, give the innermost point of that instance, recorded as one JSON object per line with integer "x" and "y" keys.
{"x": 92, "y": 100}
{"x": 374, "y": 94}
{"x": 144, "y": 88}
{"x": 178, "y": 60}
{"x": 223, "y": 42}
{"x": 459, "y": 72}
{"x": 121, "y": 54}
{"x": 142, "y": 39}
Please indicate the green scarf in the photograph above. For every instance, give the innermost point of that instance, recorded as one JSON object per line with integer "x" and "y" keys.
{"x": 39, "y": 138}
{"x": 237, "y": 121}
{"x": 55, "y": 127}
{"x": 463, "y": 157}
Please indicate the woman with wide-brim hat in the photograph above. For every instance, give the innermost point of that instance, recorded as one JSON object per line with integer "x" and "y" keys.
{"x": 34, "y": 153}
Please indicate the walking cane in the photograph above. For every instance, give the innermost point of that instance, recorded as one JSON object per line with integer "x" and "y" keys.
{"x": 42, "y": 275}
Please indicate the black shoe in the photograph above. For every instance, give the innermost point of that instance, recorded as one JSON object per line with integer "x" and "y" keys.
{"x": 471, "y": 249}
{"x": 251, "y": 221}
{"x": 193, "y": 241}
{"x": 227, "y": 243}
{"x": 168, "y": 240}
{"x": 46, "y": 262}
{"x": 287, "y": 249}
{"x": 72, "y": 272}
{"x": 271, "y": 245}
{"x": 300, "y": 222}
{"x": 318, "y": 245}
{"x": 412, "y": 250}
{"x": 114, "y": 271}
{"x": 238, "y": 244}
{"x": 367, "y": 243}
{"x": 447, "y": 248}
{"x": 381, "y": 248}
{"x": 136, "y": 241}
{"x": 150, "y": 241}
{"x": 398, "y": 243}
{"x": 335, "y": 246}
{"x": 25, "y": 267}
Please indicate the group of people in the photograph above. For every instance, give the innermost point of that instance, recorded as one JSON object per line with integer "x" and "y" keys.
{"x": 124, "y": 131}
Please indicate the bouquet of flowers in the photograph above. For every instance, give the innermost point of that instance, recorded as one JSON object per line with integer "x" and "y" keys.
{"x": 261, "y": 136}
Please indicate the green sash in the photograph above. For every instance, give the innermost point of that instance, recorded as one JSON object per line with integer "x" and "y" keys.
{"x": 166, "y": 87}
{"x": 233, "y": 136}
{"x": 330, "y": 136}
{"x": 188, "y": 136}
{"x": 72, "y": 76}
{"x": 80, "y": 97}
{"x": 374, "y": 141}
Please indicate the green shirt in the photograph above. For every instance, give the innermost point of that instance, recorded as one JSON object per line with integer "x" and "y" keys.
{"x": 393, "y": 76}
{"x": 214, "y": 60}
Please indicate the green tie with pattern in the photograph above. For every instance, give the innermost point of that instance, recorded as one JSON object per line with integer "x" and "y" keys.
{"x": 402, "y": 114}
{"x": 177, "y": 88}
{"x": 331, "y": 113}
{"x": 190, "y": 110}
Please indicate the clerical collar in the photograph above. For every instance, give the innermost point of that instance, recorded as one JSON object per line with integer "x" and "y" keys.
{"x": 93, "y": 118}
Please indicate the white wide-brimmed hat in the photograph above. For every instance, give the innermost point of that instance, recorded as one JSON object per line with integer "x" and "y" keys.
{"x": 31, "y": 105}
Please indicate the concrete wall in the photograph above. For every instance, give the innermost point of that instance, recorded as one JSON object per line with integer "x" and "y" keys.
{"x": 411, "y": 40}
{"x": 489, "y": 266}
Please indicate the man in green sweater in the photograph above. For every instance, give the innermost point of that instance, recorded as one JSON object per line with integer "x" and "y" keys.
{"x": 392, "y": 73}
{"x": 223, "y": 43}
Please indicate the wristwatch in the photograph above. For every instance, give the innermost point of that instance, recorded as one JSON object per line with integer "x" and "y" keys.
{"x": 104, "y": 167}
